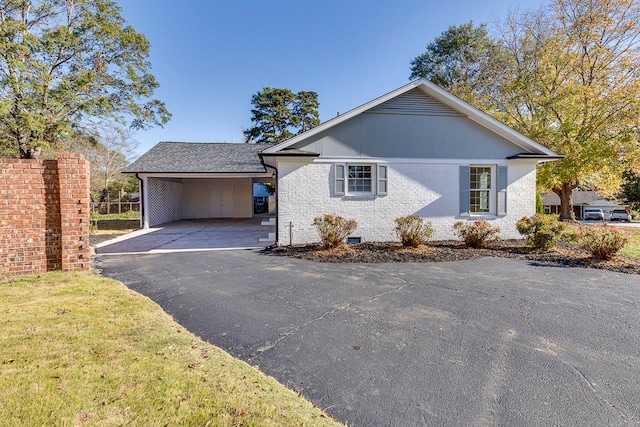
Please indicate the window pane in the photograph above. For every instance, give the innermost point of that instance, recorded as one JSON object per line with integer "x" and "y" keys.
{"x": 359, "y": 179}
{"x": 480, "y": 178}
{"x": 479, "y": 201}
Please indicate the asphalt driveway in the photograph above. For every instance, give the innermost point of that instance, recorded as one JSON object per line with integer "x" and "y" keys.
{"x": 479, "y": 342}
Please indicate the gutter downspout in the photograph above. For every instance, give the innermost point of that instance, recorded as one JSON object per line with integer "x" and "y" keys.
{"x": 277, "y": 210}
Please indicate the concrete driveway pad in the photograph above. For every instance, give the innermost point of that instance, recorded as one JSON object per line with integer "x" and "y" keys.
{"x": 479, "y": 342}
{"x": 190, "y": 235}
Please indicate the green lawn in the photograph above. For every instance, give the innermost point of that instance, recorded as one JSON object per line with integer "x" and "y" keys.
{"x": 126, "y": 215}
{"x": 632, "y": 249}
{"x": 78, "y": 349}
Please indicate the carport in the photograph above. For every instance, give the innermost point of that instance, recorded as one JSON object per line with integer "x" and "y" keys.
{"x": 198, "y": 181}
{"x": 173, "y": 197}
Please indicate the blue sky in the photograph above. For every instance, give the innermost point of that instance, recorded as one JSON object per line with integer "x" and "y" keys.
{"x": 211, "y": 56}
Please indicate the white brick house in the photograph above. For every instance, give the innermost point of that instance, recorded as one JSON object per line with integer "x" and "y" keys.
{"x": 415, "y": 151}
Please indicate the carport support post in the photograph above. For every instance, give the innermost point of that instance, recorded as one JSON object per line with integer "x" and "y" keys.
{"x": 144, "y": 197}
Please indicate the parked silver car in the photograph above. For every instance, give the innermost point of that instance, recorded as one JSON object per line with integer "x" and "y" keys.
{"x": 593, "y": 214}
{"x": 620, "y": 215}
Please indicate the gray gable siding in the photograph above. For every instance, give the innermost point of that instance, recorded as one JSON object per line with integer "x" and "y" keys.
{"x": 417, "y": 102}
{"x": 376, "y": 134}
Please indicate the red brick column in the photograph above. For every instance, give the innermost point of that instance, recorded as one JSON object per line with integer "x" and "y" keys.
{"x": 44, "y": 215}
{"x": 25, "y": 231}
{"x": 73, "y": 177}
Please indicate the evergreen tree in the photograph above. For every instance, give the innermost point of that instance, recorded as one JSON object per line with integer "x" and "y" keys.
{"x": 279, "y": 114}
{"x": 465, "y": 61}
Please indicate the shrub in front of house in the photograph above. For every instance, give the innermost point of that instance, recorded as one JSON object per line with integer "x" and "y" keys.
{"x": 477, "y": 234}
{"x": 602, "y": 241}
{"x": 334, "y": 229}
{"x": 542, "y": 231}
{"x": 413, "y": 230}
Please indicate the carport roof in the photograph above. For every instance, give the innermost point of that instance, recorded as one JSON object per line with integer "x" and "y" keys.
{"x": 196, "y": 157}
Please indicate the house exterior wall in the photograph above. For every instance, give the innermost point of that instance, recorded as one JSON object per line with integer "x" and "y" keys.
{"x": 409, "y": 136}
{"x": 427, "y": 188}
{"x": 165, "y": 198}
{"x": 218, "y": 198}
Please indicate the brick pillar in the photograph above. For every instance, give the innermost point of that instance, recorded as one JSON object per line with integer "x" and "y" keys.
{"x": 73, "y": 175}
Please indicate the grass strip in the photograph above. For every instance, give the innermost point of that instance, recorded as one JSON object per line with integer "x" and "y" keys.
{"x": 78, "y": 349}
{"x": 632, "y": 248}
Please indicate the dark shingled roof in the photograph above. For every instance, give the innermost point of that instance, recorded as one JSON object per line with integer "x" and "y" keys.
{"x": 192, "y": 157}
{"x": 579, "y": 197}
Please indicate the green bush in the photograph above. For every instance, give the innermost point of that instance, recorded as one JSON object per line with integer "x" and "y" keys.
{"x": 413, "y": 230}
{"x": 334, "y": 229}
{"x": 478, "y": 233}
{"x": 635, "y": 215}
{"x": 602, "y": 241}
{"x": 542, "y": 231}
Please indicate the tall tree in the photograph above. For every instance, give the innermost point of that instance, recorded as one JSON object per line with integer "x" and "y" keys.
{"x": 65, "y": 64}
{"x": 465, "y": 60}
{"x": 279, "y": 114}
{"x": 305, "y": 111}
{"x": 575, "y": 88}
{"x": 568, "y": 76}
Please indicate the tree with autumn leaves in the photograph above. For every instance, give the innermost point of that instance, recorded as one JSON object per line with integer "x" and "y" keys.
{"x": 568, "y": 76}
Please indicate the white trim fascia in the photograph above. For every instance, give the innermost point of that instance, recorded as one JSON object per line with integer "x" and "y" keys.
{"x": 438, "y": 93}
{"x": 206, "y": 175}
{"x": 393, "y": 160}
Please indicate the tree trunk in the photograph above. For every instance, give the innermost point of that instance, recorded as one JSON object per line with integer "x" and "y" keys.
{"x": 566, "y": 201}
{"x": 23, "y": 145}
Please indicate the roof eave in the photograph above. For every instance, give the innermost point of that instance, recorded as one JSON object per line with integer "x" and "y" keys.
{"x": 195, "y": 172}
{"x": 285, "y": 154}
{"x": 534, "y": 156}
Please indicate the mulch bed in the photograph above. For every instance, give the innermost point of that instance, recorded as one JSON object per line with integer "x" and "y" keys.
{"x": 563, "y": 255}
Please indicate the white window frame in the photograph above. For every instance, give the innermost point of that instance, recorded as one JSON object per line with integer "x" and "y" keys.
{"x": 492, "y": 191}
{"x": 372, "y": 179}
{"x": 379, "y": 180}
